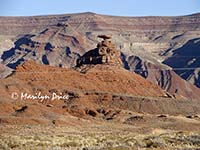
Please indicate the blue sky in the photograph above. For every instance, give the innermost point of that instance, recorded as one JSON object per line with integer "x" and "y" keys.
{"x": 109, "y": 7}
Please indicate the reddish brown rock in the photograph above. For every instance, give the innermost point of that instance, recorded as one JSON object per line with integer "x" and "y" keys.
{"x": 105, "y": 53}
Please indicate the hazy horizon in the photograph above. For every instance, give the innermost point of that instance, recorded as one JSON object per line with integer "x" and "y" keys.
{"x": 133, "y": 8}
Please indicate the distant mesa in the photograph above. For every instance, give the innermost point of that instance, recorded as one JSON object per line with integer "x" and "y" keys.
{"x": 105, "y": 53}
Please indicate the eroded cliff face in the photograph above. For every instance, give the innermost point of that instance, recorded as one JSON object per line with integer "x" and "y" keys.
{"x": 94, "y": 21}
{"x": 60, "y": 40}
{"x": 163, "y": 76}
{"x": 156, "y": 35}
{"x": 186, "y": 61}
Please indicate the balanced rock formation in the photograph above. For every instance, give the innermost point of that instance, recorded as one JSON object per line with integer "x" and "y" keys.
{"x": 105, "y": 53}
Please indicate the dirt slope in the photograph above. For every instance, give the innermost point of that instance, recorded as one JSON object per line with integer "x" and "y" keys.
{"x": 102, "y": 78}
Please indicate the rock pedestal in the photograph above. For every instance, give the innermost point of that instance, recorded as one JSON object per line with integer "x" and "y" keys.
{"x": 105, "y": 53}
